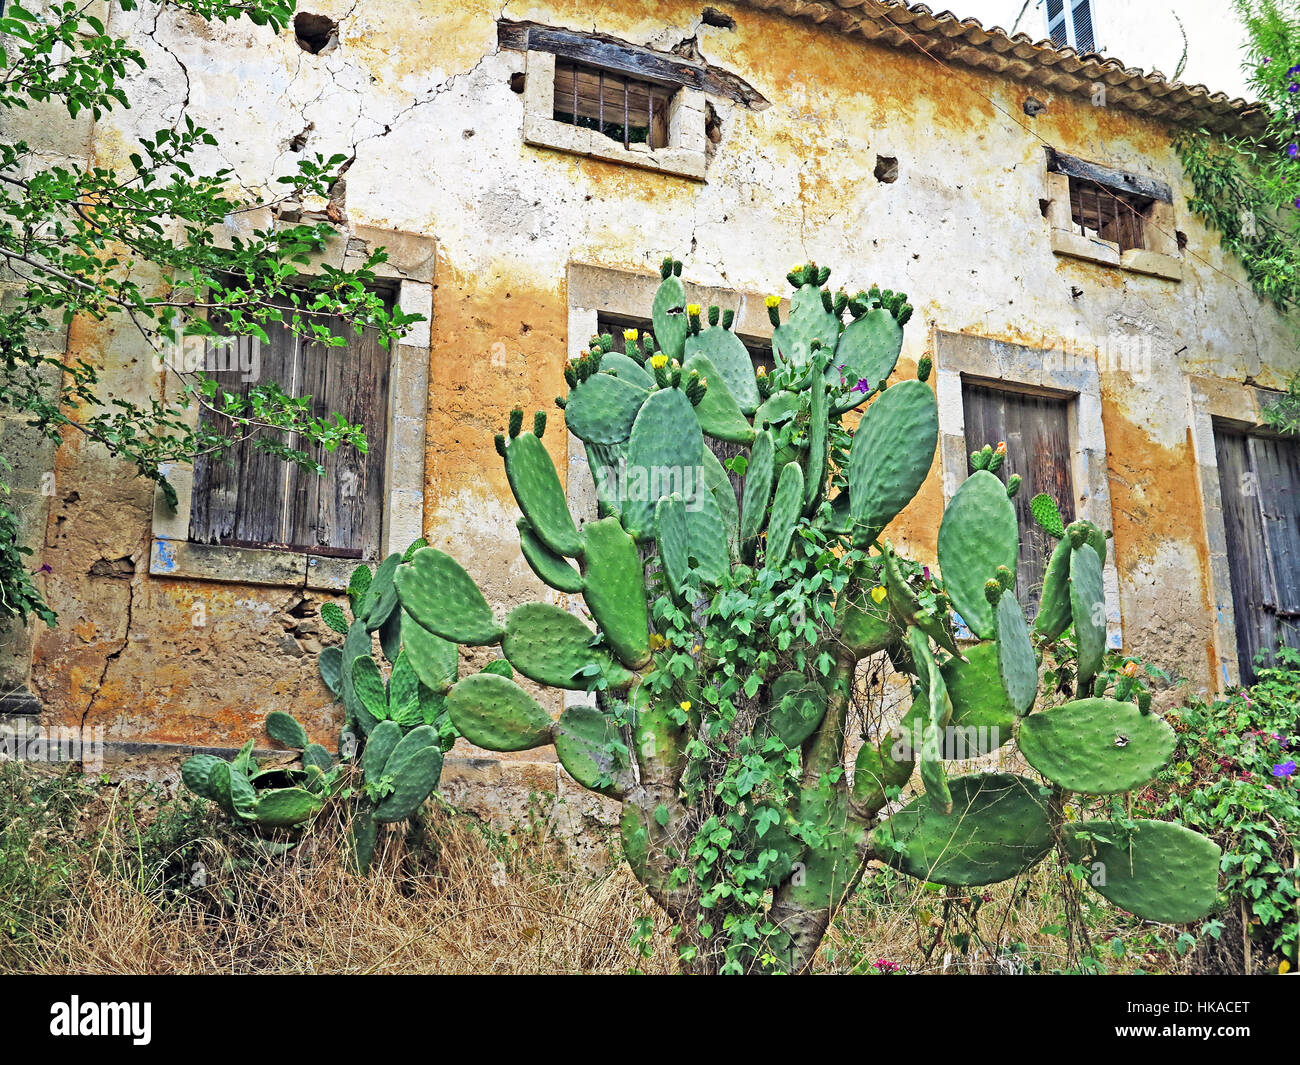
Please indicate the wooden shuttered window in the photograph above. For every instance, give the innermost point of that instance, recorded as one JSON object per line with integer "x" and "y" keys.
{"x": 1259, "y": 481}
{"x": 248, "y": 498}
{"x": 1036, "y": 431}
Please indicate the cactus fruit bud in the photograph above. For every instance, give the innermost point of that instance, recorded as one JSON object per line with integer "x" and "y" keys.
{"x": 1078, "y": 535}
{"x": 666, "y": 268}
{"x": 677, "y": 268}
{"x": 728, "y": 316}
{"x": 693, "y": 318}
{"x": 1013, "y": 485}
{"x": 823, "y": 275}
{"x": 773, "y": 305}
{"x": 841, "y": 302}
{"x": 539, "y": 424}
{"x": 993, "y": 591}
{"x": 560, "y": 401}
{"x": 828, "y": 301}
{"x": 1006, "y": 577}
{"x": 904, "y": 314}
{"x": 924, "y": 367}
{"x": 570, "y": 375}
{"x": 714, "y": 314}
{"x": 516, "y": 422}
{"x": 1144, "y": 701}
{"x": 500, "y": 441}
{"x": 795, "y": 276}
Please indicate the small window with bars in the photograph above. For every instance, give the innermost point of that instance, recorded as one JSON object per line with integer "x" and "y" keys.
{"x": 1109, "y": 214}
{"x": 1069, "y": 24}
{"x": 626, "y": 110}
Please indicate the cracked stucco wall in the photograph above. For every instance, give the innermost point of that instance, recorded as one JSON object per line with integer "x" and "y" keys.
{"x": 420, "y": 95}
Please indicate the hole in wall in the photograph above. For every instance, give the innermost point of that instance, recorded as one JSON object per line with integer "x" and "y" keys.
{"x": 1044, "y": 206}
{"x": 886, "y": 169}
{"x": 711, "y": 16}
{"x": 299, "y": 142}
{"x": 517, "y": 80}
{"x": 316, "y": 34}
{"x": 1181, "y": 237}
{"x": 1033, "y": 106}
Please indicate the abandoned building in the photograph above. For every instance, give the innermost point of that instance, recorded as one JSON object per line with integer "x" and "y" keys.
{"x": 527, "y": 166}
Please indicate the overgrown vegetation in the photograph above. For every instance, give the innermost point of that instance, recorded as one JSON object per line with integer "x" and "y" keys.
{"x": 1247, "y": 185}
{"x": 1234, "y": 776}
{"x": 114, "y": 877}
{"x": 138, "y": 244}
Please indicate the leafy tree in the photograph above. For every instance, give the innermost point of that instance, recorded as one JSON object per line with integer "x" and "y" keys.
{"x": 138, "y": 243}
{"x": 1247, "y": 185}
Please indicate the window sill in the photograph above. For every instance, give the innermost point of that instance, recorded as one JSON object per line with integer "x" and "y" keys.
{"x": 561, "y": 136}
{"x": 249, "y": 565}
{"x": 1135, "y": 260}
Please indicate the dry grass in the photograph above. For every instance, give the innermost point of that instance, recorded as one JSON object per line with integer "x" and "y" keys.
{"x": 455, "y": 898}
{"x": 456, "y": 901}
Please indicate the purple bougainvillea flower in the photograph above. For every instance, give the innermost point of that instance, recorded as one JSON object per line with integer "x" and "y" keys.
{"x": 1293, "y": 150}
{"x": 46, "y": 568}
{"x": 1293, "y": 87}
{"x": 1284, "y": 770}
{"x": 863, "y": 386}
{"x": 1295, "y": 69}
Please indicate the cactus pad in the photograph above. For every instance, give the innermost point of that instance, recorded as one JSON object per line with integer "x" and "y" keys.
{"x": 787, "y": 503}
{"x": 1017, "y": 666}
{"x": 759, "y": 477}
{"x": 891, "y": 455}
{"x": 977, "y": 535}
{"x": 665, "y": 451}
{"x": 1088, "y": 610}
{"x": 1097, "y": 746}
{"x": 1048, "y": 515}
{"x": 497, "y": 715}
{"x": 1054, "y": 606}
{"x": 553, "y": 647}
{"x": 868, "y": 351}
{"x": 798, "y": 706}
{"x": 602, "y": 409}
{"x": 586, "y": 743}
{"x": 438, "y": 594}
{"x": 718, "y": 412}
{"x": 731, "y": 359}
{"x": 540, "y": 496}
{"x": 998, "y": 828}
{"x": 1160, "y": 871}
{"x": 615, "y": 591}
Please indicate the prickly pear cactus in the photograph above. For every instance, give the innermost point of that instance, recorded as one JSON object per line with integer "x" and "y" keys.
{"x": 728, "y": 631}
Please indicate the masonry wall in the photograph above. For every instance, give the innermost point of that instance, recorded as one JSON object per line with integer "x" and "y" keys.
{"x": 422, "y": 94}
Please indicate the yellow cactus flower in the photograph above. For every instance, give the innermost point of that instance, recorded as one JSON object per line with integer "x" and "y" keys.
{"x": 878, "y": 593}
{"x": 772, "y": 301}
{"x": 1131, "y": 669}
{"x": 761, "y": 372}
{"x": 693, "y": 309}
{"x": 658, "y": 362}
{"x": 1002, "y": 447}
{"x": 631, "y": 334}
{"x": 657, "y": 642}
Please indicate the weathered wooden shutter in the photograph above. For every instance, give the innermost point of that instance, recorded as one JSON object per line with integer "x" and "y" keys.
{"x": 1259, "y": 482}
{"x": 248, "y": 498}
{"x": 1036, "y": 431}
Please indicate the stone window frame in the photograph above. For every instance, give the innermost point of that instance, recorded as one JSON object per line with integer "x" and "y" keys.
{"x": 1161, "y": 258}
{"x": 409, "y": 270}
{"x": 1058, "y": 374}
{"x": 685, "y": 155}
{"x": 1211, "y": 401}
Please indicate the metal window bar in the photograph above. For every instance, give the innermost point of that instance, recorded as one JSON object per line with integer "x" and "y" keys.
{"x": 624, "y": 109}
{"x": 1108, "y": 215}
